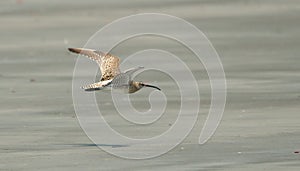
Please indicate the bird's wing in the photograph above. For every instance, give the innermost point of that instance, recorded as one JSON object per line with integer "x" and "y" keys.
{"x": 89, "y": 53}
{"x": 123, "y": 79}
{"x": 96, "y": 86}
{"x": 109, "y": 64}
{"x": 131, "y": 71}
{"x": 109, "y": 67}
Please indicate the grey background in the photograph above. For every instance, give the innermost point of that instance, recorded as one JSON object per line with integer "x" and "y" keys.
{"x": 258, "y": 43}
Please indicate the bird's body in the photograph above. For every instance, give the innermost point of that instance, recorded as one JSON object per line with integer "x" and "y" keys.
{"x": 111, "y": 76}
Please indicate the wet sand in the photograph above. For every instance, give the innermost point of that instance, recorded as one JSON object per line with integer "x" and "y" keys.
{"x": 258, "y": 43}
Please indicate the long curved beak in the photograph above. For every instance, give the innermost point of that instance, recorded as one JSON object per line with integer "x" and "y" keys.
{"x": 152, "y": 86}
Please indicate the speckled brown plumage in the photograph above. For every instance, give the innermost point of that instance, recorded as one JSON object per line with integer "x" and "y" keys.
{"x": 109, "y": 64}
{"x": 111, "y": 75}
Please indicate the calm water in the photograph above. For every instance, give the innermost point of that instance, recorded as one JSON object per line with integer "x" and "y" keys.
{"x": 258, "y": 46}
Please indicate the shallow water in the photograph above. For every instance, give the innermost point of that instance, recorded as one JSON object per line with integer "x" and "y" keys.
{"x": 258, "y": 43}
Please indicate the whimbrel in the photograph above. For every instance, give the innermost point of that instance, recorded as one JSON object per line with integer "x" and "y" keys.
{"x": 111, "y": 76}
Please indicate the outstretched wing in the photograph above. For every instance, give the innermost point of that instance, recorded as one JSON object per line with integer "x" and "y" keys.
{"x": 96, "y": 86}
{"x": 123, "y": 79}
{"x": 109, "y": 64}
{"x": 131, "y": 71}
{"x": 109, "y": 67}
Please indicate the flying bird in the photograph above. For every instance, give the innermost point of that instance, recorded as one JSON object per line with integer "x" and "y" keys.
{"x": 111, "y": 77}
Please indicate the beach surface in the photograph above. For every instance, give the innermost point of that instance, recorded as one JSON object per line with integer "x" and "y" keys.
{"x": 258, "y": 44}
